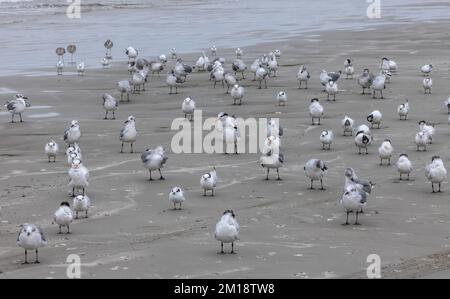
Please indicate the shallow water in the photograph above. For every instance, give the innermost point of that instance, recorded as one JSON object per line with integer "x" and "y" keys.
{"x": 31, "y": 30}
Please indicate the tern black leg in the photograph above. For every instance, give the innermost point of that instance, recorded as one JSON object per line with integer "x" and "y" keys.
{"x": 121, "y": 150}
{"x": 20, "y": 115}
{"x": 221, "y": 248}
{"x": 321, "y": 185}
{"x": 439, "y": 187}
{"x": 346, "y": 222}
{"x": 267, "y": 177}
{"x": 150, "y": 176}
{"x": 160, "y": 175}
{"x": 132, "y": 148}
{"x": 106, "y": 115}
{"x": 311, "y": 185}
{"x": 60, "y": 230}
{"x": 278, "y": 173}
{"x": 114, "y": 115}
{"x": 232, "y": 247}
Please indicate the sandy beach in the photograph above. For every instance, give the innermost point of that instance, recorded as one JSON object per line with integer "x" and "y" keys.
{"x": 287, "y": 230}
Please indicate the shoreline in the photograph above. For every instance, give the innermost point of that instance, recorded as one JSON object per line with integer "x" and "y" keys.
{"x": 312, "y": 35}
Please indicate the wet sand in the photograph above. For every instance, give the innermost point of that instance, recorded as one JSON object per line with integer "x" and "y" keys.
{"x": 287, "y": 230}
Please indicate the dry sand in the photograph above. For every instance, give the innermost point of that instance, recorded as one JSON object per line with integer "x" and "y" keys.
{"x": 287, "y": 231}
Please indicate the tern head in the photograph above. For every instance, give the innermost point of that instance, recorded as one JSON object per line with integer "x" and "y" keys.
{"x": 21, "y": 96}
{"x": 324, "y": 133}
{"x": 403, "y": 155}
{"x": 176, "y": 190}
{"x": 65, "y": 203}
{"x": 79, "y": 198}
{"x": 222, "y": 114}
{"x": 435, "y": 158}
{"x": 314, "y": 100}
{"x": 230, "y": 212}
{"x": 349, "y": 172}
{"x": 74, "y": 123}
{"x": 28, "y": 229}
{"x": 387, "y": 140}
